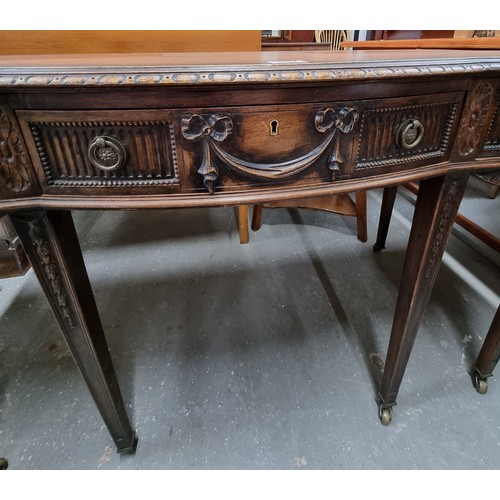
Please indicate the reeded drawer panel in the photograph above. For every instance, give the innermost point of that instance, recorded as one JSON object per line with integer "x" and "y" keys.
{"x": 93, "y": 149}
{"x": 418, "y": 132}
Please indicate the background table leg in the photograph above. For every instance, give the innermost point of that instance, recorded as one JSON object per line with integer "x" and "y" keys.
{"x": 488, "y": 355}
{"x": 437, "y": 204}
{"x": 388, "y": 198}
{"x": 51, "y": 243}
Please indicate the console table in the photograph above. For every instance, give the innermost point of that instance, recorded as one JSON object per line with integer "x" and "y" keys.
{"x": 146, "y": 131}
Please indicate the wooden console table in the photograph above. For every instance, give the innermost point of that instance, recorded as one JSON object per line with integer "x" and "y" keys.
{"x": 130, "y": 131}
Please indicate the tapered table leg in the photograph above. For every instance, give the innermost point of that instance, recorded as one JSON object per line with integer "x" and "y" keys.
{"x": 437, "y": 204}
{"x": 243, "y": 223}
{"x": 388, "y": 198}
{"x": 50, "y": 241}
{"x": 488, "y": 356}
{"x": 256, "y": 217}
{"x": 361, "y": 216}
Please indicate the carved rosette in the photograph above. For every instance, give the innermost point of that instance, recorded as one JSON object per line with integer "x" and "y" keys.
{"x": 213, "y": 129}
{"x": 474, "y": 119}
{"x": 14, "y": 170}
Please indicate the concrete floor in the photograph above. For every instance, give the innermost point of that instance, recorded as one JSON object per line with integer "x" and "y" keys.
{"x": 258, "y": 356}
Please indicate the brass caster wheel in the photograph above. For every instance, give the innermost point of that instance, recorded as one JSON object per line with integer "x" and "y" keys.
{"x": 480, "y": 384}
{"x": 3, "y": 464}
{"x": 385, "y": 415}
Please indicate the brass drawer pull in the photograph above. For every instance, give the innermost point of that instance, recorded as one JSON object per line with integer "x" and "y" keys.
{"x": 409, "y": 133}
{"x": 107, "y": 153}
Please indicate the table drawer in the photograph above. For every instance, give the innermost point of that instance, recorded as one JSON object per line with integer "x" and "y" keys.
{"x": 408, "y": 132}
{"x": 247, "y": 147}
{"x": 123, "y": 150}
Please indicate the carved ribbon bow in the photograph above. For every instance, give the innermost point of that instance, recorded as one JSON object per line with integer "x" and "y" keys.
{"x": 207, "y": 129}
{"x": 342, "y": 119}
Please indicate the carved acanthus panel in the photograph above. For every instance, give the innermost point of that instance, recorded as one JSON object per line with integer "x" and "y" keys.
{"x": 447, "y": 214}
{"x": 52, "y": 274}
{"x": 14, "y": 168}
{"x": 474, "y": 119}
{"x": 212, "y": 130}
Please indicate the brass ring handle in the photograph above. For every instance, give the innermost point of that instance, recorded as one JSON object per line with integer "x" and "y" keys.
{"x": 107, "y": 153}
{"x": 409, "y": 133}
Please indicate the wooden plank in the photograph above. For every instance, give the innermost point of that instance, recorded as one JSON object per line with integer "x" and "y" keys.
{"x": 121, "y": 41}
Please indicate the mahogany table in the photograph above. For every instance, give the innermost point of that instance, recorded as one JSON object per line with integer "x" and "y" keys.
{"x": 145, "y": 131}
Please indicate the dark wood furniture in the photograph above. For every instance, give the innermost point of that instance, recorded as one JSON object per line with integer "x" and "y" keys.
{"x": 153, "y": 131}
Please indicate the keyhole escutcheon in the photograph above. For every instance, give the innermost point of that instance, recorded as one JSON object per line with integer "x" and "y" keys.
{"x": 273, "y": 127}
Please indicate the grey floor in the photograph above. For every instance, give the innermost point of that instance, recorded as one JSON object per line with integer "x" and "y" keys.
{"x": 258, "y": 356}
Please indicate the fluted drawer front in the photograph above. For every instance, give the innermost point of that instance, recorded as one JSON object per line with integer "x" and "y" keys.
{"x": 103, "y": 148}
{"x": 492, "y": 144}
{"x": 417, "y": 132}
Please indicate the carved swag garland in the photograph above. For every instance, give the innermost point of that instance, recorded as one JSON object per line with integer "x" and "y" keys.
{"x": 213, "y": 129}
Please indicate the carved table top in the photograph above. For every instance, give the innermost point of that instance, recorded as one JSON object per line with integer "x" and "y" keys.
{"x": 244, "y": 67}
